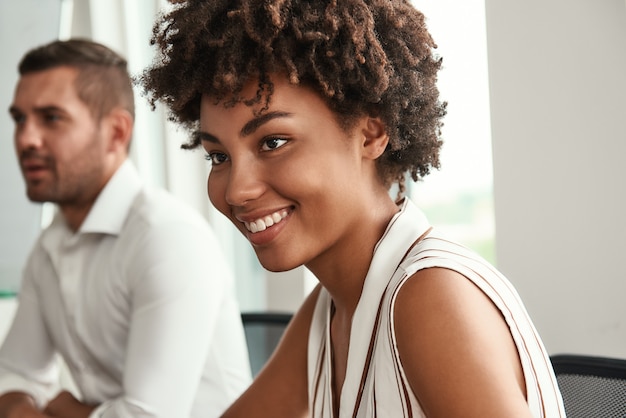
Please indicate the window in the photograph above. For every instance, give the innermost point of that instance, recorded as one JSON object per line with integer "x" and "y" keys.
{"x": 458, "y": 198}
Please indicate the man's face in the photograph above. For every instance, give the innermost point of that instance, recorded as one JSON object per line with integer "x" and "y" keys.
{"x": 58, "y": 143}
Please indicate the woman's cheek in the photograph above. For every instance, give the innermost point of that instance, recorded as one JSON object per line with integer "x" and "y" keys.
{"x": 215, "y": 192}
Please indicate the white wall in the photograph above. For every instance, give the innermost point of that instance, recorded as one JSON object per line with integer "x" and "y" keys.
{"x": 558, "y": 99}
{"x": 23, "y": 25}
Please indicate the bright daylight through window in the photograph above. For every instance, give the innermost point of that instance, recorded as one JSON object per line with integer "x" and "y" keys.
{"x": 458, "y": 198}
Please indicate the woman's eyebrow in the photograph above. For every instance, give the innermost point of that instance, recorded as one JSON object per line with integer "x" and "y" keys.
{"x": 199, "y": 136}
{"x": 257, "y": 122}
{"x": 248, "y": 128}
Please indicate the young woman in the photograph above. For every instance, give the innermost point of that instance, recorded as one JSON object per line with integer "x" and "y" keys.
{"x": 309, "y": 111}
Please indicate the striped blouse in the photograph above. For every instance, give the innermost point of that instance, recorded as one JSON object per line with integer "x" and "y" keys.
{"x": 375, "y": 384}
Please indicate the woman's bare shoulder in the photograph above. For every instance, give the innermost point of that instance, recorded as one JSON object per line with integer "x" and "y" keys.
{"x": 456, "y": 348}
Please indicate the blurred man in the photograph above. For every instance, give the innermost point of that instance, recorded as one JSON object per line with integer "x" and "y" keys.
{"x": 127, "y": 284}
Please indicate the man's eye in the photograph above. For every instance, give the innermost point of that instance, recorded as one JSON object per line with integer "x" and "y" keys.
{"x": 18, "y": 119}
{"x": 273, "y": 143}
{"x": 51, "y": 117}
{"x": 216, "y": 158}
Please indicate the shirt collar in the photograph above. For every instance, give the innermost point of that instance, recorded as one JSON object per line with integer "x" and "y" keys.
{"x": 109, "y": 211}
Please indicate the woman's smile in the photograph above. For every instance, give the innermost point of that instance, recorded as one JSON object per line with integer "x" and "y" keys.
{"x": 265, "y": 229}
{"x": 265, "y": 222}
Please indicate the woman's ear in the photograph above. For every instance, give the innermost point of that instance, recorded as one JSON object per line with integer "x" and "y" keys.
{"x": 375, "y": 137}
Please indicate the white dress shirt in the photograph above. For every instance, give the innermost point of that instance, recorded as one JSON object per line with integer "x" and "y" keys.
{"x": 139, "y": 303}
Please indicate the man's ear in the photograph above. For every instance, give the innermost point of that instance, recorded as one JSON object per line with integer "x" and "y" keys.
{"x": 375, "y": 137}
{"x": 120, "y": 123}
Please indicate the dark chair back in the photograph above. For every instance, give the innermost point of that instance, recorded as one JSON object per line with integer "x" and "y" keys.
{"x": 263, "y": 331}
{"x": 592, "y": 387}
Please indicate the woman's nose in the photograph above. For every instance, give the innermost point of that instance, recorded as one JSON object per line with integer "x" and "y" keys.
{"x": 245, "y": 183}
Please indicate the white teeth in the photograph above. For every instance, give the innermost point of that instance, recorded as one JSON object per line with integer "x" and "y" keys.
{"x": 265, "y": 222}
{"x": 260, "y": 225}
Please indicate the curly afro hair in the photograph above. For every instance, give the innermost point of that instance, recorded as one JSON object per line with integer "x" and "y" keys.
{"x": 364, "y": 57}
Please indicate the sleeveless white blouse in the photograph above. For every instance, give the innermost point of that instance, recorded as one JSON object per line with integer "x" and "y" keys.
{"x": 375, "y": 384}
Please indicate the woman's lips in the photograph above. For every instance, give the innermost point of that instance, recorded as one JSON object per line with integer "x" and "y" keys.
{"x": 267, "y": 221}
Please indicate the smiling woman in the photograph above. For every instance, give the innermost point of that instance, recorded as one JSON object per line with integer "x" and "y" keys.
{"x": 310, "y": 111}
{"x": 282, "y": 152}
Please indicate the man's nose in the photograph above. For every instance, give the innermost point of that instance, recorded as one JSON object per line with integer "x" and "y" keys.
{"x": 27, "y": 135}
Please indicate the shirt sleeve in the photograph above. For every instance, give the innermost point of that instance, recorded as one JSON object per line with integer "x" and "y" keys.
{"x": 27, "y": 356}
{"x": 175, "y": 299}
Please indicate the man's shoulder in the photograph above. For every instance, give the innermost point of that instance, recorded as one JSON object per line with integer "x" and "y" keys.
{"x": 156, "y": 206}
{"x": 160, "y": 223}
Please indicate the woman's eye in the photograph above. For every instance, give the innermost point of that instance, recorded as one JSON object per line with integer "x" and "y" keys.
{"x": 272, "y": 143}
{"x": 216, "y": 158}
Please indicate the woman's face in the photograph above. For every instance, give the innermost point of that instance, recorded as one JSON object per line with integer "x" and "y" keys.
{"x": 290, "y": 179}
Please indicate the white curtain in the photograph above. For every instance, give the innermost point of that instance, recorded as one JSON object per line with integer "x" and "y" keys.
{"x": 126, "y": 27}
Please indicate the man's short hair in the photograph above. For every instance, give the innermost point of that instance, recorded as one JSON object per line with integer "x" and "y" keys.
{"x": 103, "y": 81}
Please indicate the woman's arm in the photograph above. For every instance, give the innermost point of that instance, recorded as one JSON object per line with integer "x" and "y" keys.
{"x": 456, "y": 348}
{"x": 280, "y": 390}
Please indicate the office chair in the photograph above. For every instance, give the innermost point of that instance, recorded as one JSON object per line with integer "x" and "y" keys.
{"x": 263, "y": 331}
{"x": 592, "y": 387}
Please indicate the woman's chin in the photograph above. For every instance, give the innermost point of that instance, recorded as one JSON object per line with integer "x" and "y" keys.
{"x": 276, "y": 264}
